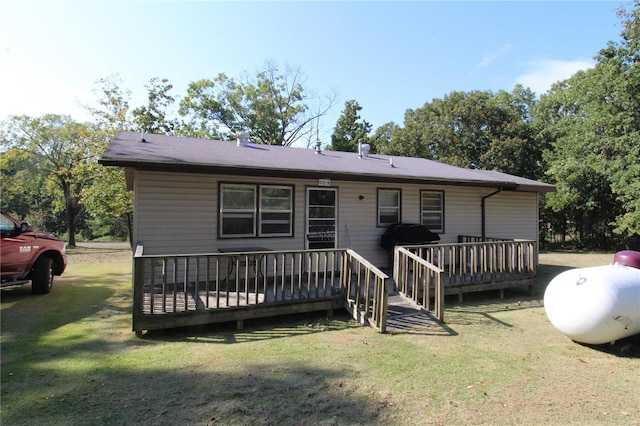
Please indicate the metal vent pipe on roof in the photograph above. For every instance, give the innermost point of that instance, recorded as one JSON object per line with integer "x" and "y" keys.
{"x": 242, "y": 136}
{"x": 363, "y": 148}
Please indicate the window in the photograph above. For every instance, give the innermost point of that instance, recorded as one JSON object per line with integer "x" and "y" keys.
{"x": 432, "y": 210}
{"x": 255, "y": 210}
{"x": 276, "y": 212}
{"x": 238, "y": 210}
{"x": 388, "y": 206}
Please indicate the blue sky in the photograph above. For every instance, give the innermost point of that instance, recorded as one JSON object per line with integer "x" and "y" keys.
{"x": 388, "y": 56}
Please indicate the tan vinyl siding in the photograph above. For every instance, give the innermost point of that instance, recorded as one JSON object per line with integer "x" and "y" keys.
{"x": 513, "y": 215}
{"x": 177, "y": 213}
{"x": 462, "y": 213}
{"x": 357, "y": 219}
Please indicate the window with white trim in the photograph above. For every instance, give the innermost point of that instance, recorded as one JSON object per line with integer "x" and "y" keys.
{"x": 388, "y": 206}
{"x": 432, "y": 210}
{"x": 255, "y": 210}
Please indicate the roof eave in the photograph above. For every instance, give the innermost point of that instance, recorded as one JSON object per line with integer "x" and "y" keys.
{"x": 309, "y": 174}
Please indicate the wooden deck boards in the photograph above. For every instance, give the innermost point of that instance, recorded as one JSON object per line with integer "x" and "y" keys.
{"x": 178, "y": 299}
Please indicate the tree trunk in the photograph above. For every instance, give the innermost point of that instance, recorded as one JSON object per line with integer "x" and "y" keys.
{"x": 73, "y": 210}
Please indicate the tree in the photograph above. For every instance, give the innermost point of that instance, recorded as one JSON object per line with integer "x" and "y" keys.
{"x": 477, "y": 129}
{"x": 513, "y": 146}
{"x": 383, "y": 136}
{"x": 349, "y": 129}
{"x": 108, "y": 198}
{"x": 592, "y": 121}
{"x": 622, "y": 151}
{"x": 112, "y": 110}
{"x": 61, "y": 147}
{"x": 272, "y": 106}
{"x": 153, "y": 117}
{"x": 205, "y": 108}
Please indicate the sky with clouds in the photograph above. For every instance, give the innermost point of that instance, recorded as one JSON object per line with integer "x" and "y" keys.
{"x": 388, "y": 56}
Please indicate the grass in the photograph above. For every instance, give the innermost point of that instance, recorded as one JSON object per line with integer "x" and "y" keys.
{"x": 70, "y": 358}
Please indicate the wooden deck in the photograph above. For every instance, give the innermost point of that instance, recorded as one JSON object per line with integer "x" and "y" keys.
{"x": 172, "y": 298}
{"x": 182, "y": 290}
{"x": 174, "y": 291}
{"x": 467, "y": 267}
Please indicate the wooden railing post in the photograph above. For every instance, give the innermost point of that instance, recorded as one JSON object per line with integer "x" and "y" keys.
{"x": 138, "y": 292}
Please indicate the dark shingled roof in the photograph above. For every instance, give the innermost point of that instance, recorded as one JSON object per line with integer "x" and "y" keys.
{"x": 160, "y": 152}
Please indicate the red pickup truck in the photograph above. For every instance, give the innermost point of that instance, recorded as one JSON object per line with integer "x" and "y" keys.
{"x": 28, "y": 255}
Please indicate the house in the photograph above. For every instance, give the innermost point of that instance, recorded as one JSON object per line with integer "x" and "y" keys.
{"x": 195, "y": 196}
{"x": 198, "y": 196}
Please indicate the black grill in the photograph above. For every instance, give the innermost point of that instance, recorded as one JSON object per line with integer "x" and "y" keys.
{"x": 406, "y": 234}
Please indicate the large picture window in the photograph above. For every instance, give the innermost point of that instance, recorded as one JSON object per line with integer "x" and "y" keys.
{"x": 432, "y": 210}
{"x": 388, "y": 206}
{"x": 255, "y": 210}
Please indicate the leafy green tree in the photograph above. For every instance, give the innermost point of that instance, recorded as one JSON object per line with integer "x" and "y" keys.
{"x": 204, "y": 106}
{"x": 476, "y": 129}
{"x": 111, "y": 112}
{"x": 107, "y": 197}
{"x": 273, "y": 106}
{"x": 592, "y": 121}
{"x": 513, "y": 146}
{"x": 153, "y": 117}
{"x": 349, "y": 129}
{"x": 60, "y": 146}
{"x": 622, "y": 110}
{"x": 21, "y": 183}
{"x": 382, "y": 137}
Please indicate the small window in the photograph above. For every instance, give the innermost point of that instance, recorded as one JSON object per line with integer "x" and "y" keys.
{"x": 276, "y": 212}
{"x": 388, "y": 206}
{"x": 238, "y": 210}
{"x": 432, "y": 210}
{"x": 6, "y": 225}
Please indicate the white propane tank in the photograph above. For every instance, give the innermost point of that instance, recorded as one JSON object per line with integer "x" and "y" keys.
{"x": 599, "y": 304}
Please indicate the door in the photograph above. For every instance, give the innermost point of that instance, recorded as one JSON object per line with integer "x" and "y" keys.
{"x": 322, "y": 218}
{"x": 16, "y": 248}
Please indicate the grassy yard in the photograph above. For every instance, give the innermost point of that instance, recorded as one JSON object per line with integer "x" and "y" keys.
{"x": 70, "y": 358}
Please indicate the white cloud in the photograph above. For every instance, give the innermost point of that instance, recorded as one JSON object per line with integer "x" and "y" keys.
{"x": 541, "y": 74}
{"x": 489, "y": 58}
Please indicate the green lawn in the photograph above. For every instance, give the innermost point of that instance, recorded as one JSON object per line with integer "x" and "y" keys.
{"x": 70, "y": 358}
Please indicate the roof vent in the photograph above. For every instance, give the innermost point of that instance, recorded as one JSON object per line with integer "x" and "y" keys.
{"x": 242, "y": 137}
{"x": 363, "y": 149}
{"x": 318, "y": 145}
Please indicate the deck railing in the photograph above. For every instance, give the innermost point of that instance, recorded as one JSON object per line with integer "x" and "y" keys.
{"x": 416, "y": 278}
{"x": 482, "y": 265}
{"x": 367, "y": 288}
{"x": 476, "y": 239}
{"x": 191, "y": 289}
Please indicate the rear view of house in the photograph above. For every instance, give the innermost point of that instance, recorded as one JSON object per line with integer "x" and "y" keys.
{"x": 195, "y": 196}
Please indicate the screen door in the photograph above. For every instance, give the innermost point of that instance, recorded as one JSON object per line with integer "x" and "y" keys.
{"x": 321, "y": 218}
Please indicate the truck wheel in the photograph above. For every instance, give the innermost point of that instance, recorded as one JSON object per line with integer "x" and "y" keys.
{"x": 42, "y": 276}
